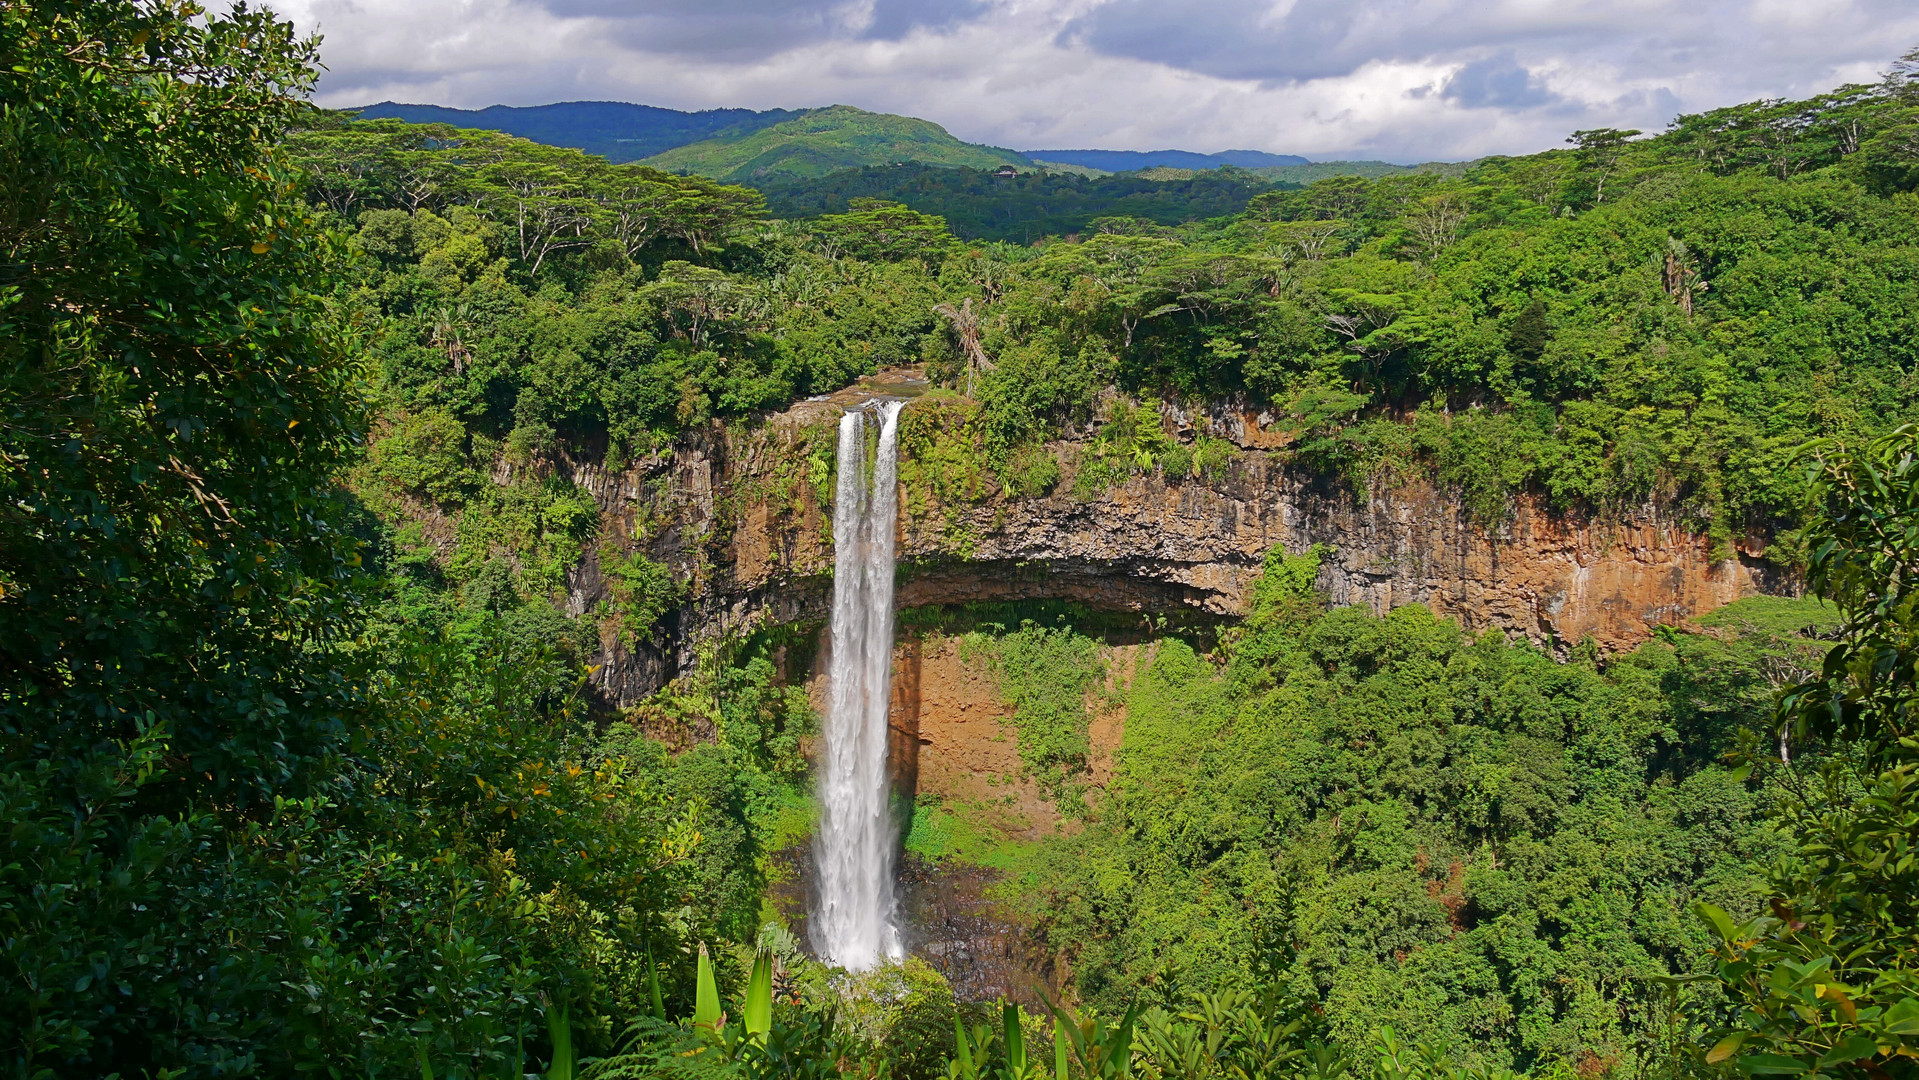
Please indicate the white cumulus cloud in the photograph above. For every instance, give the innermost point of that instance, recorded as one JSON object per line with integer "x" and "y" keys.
{"x": 1399, "y": 79}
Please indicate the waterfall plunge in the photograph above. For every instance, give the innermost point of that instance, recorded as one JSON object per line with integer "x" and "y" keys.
{"x": 854, "y": 924}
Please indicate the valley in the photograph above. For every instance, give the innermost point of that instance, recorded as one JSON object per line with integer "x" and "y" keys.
{"x": 602, "y": 591}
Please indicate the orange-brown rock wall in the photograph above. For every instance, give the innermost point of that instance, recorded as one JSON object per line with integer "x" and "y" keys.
{"x": 951, "y": 736}
{"x": 731, "y": 511}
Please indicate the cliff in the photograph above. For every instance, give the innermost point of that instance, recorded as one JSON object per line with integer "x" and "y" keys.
{"x": 737, "y": 514}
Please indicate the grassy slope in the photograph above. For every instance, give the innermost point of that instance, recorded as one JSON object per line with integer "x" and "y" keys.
{"x": 826, "y": 141}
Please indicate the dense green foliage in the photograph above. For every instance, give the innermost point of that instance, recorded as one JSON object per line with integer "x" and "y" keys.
{"x": 1656, "y": 320}
{"x": 1829, "y": 974}
{"x": 300, "y": 764}
{"x": 249, "y": 830}
{"x": 1462, "y": 839}
{"x": 1113, "y": 161}
{"x": 1025, "y": 207}
{"x": 537, "y": 298}
{"x": 821, "y": 141}
{"x": 1045, "y": 673}
{"x": 1371, "y": 170}
{"x": 171, "y": 563}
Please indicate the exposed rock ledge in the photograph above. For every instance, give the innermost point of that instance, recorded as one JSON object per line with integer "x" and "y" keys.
{"x": 755, "y": 550}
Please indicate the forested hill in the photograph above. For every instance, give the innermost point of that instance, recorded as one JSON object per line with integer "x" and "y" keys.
{"x": 615, "y": 130}
{"x": 1629, "y": 320}
{"x": 827, "y": 140}
{"x": 978, "y": 205}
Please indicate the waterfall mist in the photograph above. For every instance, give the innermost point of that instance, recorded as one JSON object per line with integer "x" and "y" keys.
{"x": 854, "y": 925}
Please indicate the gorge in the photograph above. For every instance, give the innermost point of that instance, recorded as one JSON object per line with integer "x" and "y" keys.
{"x": 474, "y": 609}
{"x": 726, "y": 510}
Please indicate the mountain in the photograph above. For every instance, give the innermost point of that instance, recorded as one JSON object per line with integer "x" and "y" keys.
{"x": 827, "y": 140}
{"x": 615, "y": 130}
{"x": 1132, "y": 160}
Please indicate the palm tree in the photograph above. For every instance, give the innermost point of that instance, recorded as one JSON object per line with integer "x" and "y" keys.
{"x": 966, "y": 325}
{"x": 445, "y": 334}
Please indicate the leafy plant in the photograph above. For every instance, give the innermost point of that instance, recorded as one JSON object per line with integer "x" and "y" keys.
{"x": 1045, "y": 673}
{"x": 1828, "y": 980}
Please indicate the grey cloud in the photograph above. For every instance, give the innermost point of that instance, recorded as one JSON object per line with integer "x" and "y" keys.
{"x": 720, "y": 30}
{"x": 1061, "y": 72}
{"x": 746, "y": 30}
{"x": 1497, "y": 82}
{"x": 894, "y": 19}
{"x": 1284, "y": 41}
{"x": 1276, "y": 42}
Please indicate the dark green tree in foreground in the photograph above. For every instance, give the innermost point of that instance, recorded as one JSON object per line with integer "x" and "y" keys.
{"x": 174, "y": 401}
{"x": 178, "y": 399}
{"x": 1829, "y": 982}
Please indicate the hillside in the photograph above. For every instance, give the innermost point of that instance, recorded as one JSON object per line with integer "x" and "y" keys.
{"x": 719, "y": 142}
{"x": 1371, "y": 170}
{"x": 828, "y": 140}
{"x": 1130, "y": 160}
{"x": 980, "y": 206}
{"x": 615, "y": 130}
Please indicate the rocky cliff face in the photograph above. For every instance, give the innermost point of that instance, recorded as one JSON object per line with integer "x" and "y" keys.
{"x": 737, "y": 513}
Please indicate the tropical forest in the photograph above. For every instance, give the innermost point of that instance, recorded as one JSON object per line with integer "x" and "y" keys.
{"x": 821, "y": 599}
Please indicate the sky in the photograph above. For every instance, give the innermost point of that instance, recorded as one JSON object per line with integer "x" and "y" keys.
{"x": 1399, "y": 80}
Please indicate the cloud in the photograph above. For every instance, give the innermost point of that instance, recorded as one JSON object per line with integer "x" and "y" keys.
{"x": 715, "y": 30}
{"x": 891, "y": 20}
{"x": 1294, "y": 40}
{"x": 1399, "y": 79}
{"x": 1497, "y": 82}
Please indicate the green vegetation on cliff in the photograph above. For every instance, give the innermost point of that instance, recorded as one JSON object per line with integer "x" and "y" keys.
{"x": 1460, "y": 838}
{"x": 303, "y": 772}
{"x": 826, "y": 140}
{"x": 1634, "y": 321}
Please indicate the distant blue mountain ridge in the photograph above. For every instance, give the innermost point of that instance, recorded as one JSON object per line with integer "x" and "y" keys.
{"x": 620, "y": 131}
{"x": 1129, "y": 160}
{"x": 615, "y": 130}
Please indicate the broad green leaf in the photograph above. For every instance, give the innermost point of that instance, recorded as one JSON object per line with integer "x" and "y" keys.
{"x": 1771, "y": 1065}
{"x": 1720, "y": 921}
{"x": 758, "y": 1014}
{"x": 560, "y": 1029}
{"x": 1726, "y": 1048}
{"x": 653, "y": 984}
{"x": 706, "y": 995}
{"x": 1903, "y": 1018}
{"x": 1015, "y": 1041}
{"x": 1853, "y": 1048}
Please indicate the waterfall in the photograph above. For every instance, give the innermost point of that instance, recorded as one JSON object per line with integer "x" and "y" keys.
{"x": 854, "y": 923}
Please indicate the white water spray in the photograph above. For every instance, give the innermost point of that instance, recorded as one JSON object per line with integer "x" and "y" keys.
{"x": 854, "y": 925}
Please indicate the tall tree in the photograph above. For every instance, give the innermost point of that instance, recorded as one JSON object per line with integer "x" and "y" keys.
{"x": 174, "y": 402}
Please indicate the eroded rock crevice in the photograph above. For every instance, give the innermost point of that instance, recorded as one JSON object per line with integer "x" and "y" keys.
{"x": 736, "y": 515}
